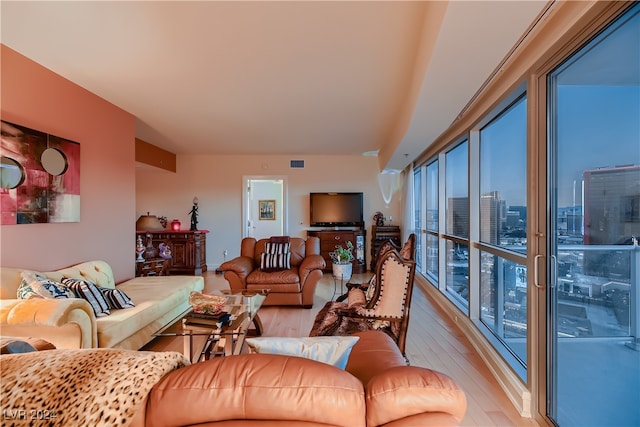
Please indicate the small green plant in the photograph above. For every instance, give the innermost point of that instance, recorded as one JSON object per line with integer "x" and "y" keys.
{"x": 342, "y": 255}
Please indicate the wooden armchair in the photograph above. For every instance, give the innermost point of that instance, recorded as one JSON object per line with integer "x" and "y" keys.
{"x": 407, "y": 251}
{"x": 387, "y": 310}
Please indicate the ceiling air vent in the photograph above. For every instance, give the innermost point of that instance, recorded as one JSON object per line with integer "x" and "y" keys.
{"x": 297, "y": 163}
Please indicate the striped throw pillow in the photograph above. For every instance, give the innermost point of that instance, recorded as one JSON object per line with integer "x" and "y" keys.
{"x": 276, "y": 248}
{"x": 275, "y": 262}
{"x": 116, "y": 298}
{"x": 89, "y": 291}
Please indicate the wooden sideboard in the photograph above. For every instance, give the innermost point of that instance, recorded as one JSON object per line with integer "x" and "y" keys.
{"x": 380, "y": 234}
{"x": 152, "y": 267}
{"x": 330, "y": 238}
{"x": 188, "y": 249}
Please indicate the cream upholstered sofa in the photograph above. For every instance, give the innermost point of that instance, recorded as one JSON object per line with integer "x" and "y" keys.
{"x": 71, "y": 323}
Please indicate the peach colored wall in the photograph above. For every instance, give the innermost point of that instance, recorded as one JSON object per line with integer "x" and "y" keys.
{"x": 35, "y": 97}
{"x": 217, "y": 181}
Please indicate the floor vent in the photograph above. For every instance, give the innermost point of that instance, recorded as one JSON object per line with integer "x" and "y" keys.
{"x": 297, "y": 163}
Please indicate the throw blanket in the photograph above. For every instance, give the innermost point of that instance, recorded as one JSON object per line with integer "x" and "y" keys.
{"x": 330, "y": 321}
{"x": 87, "y": 387}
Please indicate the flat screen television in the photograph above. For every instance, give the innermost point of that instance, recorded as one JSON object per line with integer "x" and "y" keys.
{"x": 336, "y": 209}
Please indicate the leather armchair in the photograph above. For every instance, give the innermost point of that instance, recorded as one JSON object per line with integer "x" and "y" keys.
{"x": 293, "y": 286}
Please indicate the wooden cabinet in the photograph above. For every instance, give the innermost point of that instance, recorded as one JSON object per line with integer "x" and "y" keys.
{"x": 152, "y": 267}
{"x": 330, "y": 238}
{"x": 380, "y": 234}
{"x": 188, "y": 249}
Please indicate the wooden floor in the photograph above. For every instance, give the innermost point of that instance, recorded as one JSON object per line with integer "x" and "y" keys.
{"x": 432, "y": 342}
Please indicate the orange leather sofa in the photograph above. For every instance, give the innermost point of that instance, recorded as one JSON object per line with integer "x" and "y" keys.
{"x": 294, "y": 286}
{"x": 376, "y": 389}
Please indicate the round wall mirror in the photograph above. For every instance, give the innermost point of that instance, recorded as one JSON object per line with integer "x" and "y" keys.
{"x": 54, "y": 161}
{"x": 11, "y": 173}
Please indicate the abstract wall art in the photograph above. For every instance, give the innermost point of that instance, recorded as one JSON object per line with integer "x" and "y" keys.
{"x": 39, "y": 177}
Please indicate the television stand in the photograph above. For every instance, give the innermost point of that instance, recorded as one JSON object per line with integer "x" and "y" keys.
{"x": 329, "y": 239}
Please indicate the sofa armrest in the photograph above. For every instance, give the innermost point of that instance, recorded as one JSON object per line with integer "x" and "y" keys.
{"x": 406, "y": 391}
{"x": 236, "y": 271}
{"x": 310, "y": 263}
{"x": 44, "y": 317}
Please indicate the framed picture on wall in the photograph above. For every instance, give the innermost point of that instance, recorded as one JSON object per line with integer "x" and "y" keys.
{"x": 267, "y": 210}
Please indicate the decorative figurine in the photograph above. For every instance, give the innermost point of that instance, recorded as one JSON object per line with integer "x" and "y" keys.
{"x": 379, "y": 219}
{"x": 139, "y": 249}
{"x": 164, "y": 251}
{"x": 194, "y": 215}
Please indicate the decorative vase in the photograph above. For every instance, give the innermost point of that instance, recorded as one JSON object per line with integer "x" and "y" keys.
{"x": 342, "y": 271}
{"x": 139, "y": 249}
{"x": 150, "y": 252}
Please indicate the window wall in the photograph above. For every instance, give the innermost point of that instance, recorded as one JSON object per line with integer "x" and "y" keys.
{"x": 502, "y": 215}
{"x": 432, "y": 220}
{"x": 537, "y": 243}
{"x": 418, "y": 217}
{"x": 594, "y": 141}
{"x": 456, "y": 199}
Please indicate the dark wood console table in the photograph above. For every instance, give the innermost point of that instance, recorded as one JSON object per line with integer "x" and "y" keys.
{"x": 188, "y": 249}
{"x": 330, "y": 238}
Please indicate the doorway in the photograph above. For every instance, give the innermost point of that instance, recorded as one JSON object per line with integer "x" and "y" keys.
{"x": 264, "y": 213}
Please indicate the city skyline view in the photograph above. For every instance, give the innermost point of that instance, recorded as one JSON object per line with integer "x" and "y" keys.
{"x": 499, "y": 240}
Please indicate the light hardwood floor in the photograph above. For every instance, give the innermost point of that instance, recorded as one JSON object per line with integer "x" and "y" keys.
{"x": 432, "y": 342}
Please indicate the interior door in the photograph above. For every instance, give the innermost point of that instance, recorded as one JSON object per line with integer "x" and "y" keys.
{"x": 265, "y": 206}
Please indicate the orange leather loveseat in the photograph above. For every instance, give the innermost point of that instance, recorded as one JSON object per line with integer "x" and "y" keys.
{"x": 377, "y": 388}
{"x": 91, "y": 387}
{"x": 291, "y": 286}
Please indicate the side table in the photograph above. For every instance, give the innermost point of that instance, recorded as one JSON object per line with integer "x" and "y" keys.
{"x": 152, "y": 267}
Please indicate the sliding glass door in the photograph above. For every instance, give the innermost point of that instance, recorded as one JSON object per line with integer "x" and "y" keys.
{"x": 593, "y": 366}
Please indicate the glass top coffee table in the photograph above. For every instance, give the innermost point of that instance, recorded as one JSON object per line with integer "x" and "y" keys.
{"x": 220, "y": 339}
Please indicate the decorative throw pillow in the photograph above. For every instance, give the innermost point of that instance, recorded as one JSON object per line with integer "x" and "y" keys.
{"x": 276, "y": 248}
{"x": 275, "y": 262}
{"x": 116, "y": 298}
{"x": 331, "y": 350}
{"x": 26, "y": 291}
{"x": 42, "y": 286}
{"x": 89, "y": 291}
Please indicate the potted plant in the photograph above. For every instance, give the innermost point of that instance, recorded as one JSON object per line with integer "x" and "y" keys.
{"x": 341, "y": 259}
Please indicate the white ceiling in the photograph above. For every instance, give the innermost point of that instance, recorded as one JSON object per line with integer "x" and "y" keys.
{"x": 269, "y": 77}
